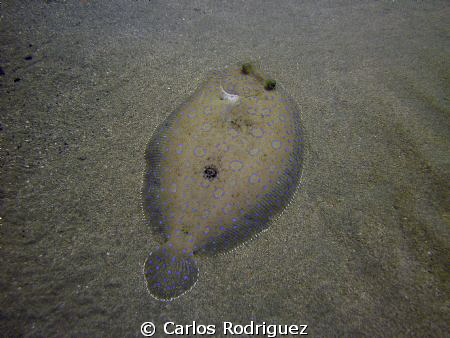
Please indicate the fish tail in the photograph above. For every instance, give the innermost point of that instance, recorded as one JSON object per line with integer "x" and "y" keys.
{"x": 169, "y": 274}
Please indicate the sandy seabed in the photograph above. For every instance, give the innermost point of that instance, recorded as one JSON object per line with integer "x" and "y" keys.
{"x": 363, "y": 250}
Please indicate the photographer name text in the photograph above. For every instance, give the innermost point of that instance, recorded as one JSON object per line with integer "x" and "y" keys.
{"x": 148, "y": 329}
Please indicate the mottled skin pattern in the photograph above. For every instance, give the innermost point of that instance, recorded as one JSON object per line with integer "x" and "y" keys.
{"x": 219, "y": 168}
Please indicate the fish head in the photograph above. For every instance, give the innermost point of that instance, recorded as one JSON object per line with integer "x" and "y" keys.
{"x": 243, "y": 81}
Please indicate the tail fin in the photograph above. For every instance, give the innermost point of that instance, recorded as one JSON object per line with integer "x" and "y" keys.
{"x": 169, "y": 275}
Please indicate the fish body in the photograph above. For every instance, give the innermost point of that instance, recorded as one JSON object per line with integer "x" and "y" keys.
{"x": 219, "y": 169}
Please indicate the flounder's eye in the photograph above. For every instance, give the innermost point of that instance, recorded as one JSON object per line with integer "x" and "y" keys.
{"x": 270, "y": 84}
{"x": 246, "y": 68}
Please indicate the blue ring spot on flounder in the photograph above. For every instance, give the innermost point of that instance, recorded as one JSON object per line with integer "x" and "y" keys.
{"x": 219, "y": 168}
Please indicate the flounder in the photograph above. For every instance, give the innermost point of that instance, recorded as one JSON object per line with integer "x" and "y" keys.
{"x": 219, "y": 168}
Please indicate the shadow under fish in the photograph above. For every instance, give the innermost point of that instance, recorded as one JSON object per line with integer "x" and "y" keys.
{"x": 219, "y": 168}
